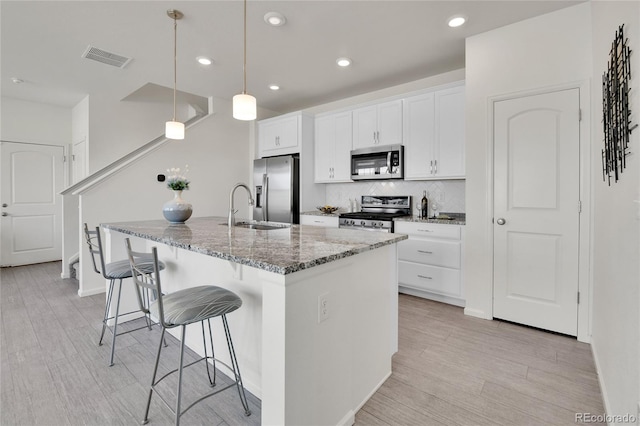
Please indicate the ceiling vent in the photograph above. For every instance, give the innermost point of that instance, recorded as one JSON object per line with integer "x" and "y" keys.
{"x": 106, "y": 57}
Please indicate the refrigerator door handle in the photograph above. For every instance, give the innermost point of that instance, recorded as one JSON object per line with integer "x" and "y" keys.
{"x": 265, "y": 196}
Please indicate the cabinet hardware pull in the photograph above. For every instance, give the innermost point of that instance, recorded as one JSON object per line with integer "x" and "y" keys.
{"x": 425, "y": 277}
{"x": 435, "y": 164}
{"x": 431, "y": 166}
{"x": 425, "y": 230}
{"x": 425, "y": 252}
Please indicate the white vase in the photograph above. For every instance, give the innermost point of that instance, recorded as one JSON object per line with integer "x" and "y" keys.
{"x": 177, "y": 210}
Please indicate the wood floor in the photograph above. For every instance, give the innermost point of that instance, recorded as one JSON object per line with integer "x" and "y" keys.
{"x": 450, "y": 369}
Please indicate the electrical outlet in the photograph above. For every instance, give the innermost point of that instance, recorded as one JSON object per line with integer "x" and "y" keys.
{"x": 323, "y": 307}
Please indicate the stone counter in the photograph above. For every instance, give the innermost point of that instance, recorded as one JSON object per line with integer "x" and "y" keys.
{"x": 282, "y": 251}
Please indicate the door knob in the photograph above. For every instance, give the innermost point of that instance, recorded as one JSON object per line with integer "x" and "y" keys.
{"x": 5, "y": 205}
{"x": 5, "y": 214}
{"x": 501, "y": 221}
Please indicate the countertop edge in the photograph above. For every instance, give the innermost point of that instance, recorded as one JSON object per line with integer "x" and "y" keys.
{"x": 269, "y": 267}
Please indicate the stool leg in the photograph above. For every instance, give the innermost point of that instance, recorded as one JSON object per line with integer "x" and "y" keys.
{"x": 183, "y": 335}
{"x": 212, "y": 382}
{"x": 236, "y": 367}
{"x": 115, "y": 324}
{"x": 153, "y": 378}
{"x": 106, "y": 311}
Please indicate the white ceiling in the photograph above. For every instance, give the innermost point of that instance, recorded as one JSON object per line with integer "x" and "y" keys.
{"x": 390, "y": 42}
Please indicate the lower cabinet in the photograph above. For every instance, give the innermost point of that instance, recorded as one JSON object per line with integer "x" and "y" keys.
{"x": 430, "y": 261}
{"x": 327, "y": 221}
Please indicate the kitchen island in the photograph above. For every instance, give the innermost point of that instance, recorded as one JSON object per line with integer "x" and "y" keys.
{"x": 318, "y": 325}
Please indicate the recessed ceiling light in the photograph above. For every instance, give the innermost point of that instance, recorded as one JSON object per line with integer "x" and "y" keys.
{"x": 17, "y": 80}
{"x": 274, "y": 87}
{"x": 275, "y": 19}
{"x": 343, "y": 62}
{"x": 203, "y": 60}
{"x": 456, "y": 21}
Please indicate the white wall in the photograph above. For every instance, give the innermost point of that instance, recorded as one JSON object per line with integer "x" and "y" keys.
{"x": 217, "y": 151}
{"x": 118, "y": 127}
{"x": 549, "y": 50}
{"x": 616, "y": 227}
{"x": 24, "y": 121}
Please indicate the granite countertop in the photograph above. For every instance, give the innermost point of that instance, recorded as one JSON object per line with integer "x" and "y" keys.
{"x": 451, "y": 221}
{"x": 282, "y": 251}
{"x": 319, "y": 213}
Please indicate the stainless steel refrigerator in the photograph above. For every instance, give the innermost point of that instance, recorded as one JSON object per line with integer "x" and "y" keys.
{"x": 276, "y": 189}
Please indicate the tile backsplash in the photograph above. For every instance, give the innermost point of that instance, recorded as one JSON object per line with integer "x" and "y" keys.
{"x": 448, "y": 194}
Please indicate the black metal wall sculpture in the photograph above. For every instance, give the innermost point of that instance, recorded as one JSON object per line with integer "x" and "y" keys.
{"x": 615, "y": 108}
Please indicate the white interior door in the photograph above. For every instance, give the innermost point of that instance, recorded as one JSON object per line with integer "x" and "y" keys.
{"x": 32, "y": 178}
{"x": 536, "y": 210}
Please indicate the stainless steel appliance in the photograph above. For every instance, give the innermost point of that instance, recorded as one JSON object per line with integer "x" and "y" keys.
{"x": 276, "y": 182}
{"x": 377, "y": 213}
{"x": 378, "y": 162}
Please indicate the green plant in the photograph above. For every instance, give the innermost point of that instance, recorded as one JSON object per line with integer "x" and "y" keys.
{"x": 176, "y": 180}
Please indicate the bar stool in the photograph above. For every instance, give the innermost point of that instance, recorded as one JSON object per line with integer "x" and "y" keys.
{"x": 179, "y": 309}
{"x": 113, "y": 271}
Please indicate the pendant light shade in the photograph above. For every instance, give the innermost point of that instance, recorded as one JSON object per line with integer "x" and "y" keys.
{"x": 174, "y": 129}
{"x": 244, "y": 105}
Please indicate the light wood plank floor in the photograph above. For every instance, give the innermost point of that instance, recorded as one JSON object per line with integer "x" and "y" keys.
{"x": 450, "y": 369}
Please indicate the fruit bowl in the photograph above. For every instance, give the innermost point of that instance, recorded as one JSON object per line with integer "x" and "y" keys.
{"x": 327, "y": 209}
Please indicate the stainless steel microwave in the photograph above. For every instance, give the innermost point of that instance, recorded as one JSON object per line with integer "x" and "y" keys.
{"x": 378, "y": 162}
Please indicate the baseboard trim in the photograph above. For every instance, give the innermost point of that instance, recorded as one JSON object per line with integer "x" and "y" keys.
{"x": 477, "y": 313}
{"x": 348, "y": 419}
{"x": 368, "y": 397}
{"x": 92, "y": 292}
{"x": 603, "y": 389}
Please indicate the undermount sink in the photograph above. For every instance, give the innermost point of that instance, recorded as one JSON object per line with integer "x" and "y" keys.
{"x": 261, "y": 226}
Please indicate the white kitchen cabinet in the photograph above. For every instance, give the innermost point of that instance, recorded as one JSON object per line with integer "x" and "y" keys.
{"x": 433, "y": 125}
{"x": 379, "y": 124}
{"x": 430, "y": 261}
{"x": 315, "y": 220}
{"x": 280, "y": 135}
{"x": 333, "y": 147}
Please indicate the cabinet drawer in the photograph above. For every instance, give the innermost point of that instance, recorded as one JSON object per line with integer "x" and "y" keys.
{"x": 428, "y": 230}
{"x": 434, "y": 279}
{"x": 432, "y": 252}
{"x": 327, "y": 221}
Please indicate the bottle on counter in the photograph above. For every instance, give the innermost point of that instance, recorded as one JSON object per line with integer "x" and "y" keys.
{"x": 424, "y": 205}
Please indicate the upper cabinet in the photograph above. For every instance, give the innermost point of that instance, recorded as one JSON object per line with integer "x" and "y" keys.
{"x": 434, "y": 135}
{"x": 333, "y": 147}
{"x": 280, "y": 135}
{"x": 379, "y": 124}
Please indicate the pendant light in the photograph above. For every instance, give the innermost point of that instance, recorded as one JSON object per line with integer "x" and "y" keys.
{"x": 244, "y": 105}
{"x": 174, "y": 129}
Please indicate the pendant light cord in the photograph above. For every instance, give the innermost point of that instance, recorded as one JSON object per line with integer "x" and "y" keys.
{"x": 175, "y": 63}
{"x": 244, "y": 63}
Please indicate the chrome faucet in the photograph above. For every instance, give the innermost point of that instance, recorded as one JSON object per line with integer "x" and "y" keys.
{"x": 232, "y": 211}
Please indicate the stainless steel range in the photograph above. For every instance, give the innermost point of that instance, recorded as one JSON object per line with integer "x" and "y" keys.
{"x": 377, "y": 213}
